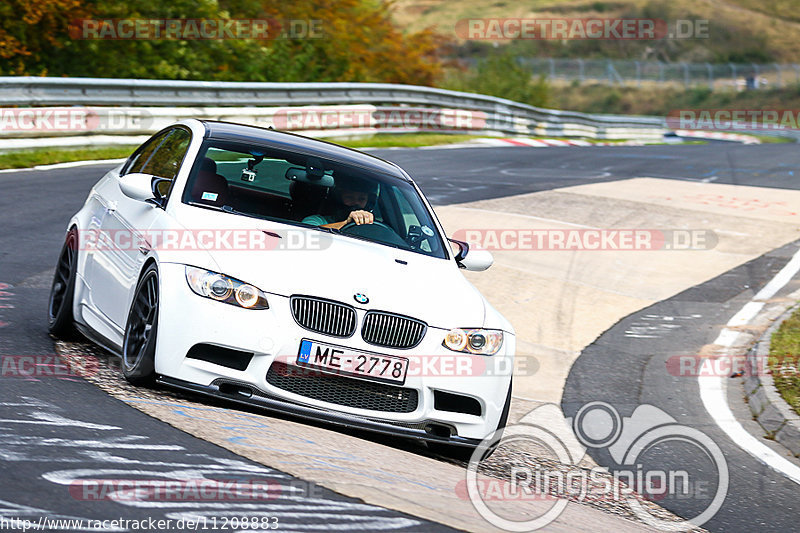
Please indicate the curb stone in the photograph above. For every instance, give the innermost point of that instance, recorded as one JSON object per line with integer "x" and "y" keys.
{"x": 771, "y": 411}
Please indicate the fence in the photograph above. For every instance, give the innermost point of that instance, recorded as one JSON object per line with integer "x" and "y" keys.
{"x": 713, "y": 76}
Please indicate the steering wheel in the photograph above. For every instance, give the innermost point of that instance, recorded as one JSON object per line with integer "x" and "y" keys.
{"x": 350, "y": 225}
{"x": 377, "y": 231}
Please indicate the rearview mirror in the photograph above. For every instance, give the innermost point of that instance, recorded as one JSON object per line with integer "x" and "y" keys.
{"x": 312, "y": 177}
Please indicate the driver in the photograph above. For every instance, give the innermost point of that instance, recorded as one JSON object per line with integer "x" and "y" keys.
{"x": 355, "y": 199}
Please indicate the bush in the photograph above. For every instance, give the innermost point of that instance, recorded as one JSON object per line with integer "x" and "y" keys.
{"x": 501, "y": 75}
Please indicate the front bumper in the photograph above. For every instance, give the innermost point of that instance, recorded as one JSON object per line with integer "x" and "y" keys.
{"x": 272, "y": 335}
{"x": 424, "y": 431}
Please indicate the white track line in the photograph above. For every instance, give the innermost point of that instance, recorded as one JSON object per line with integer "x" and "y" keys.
{"x": 70, "y": 164}
{"x": 712, "y": 389}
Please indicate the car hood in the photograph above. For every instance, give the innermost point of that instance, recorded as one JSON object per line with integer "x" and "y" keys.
{"x": 315, "y": 263}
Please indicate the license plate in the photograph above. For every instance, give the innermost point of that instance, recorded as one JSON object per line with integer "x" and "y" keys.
{"x": 344, "y": 361}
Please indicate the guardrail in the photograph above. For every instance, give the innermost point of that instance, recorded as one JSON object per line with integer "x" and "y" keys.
{"x": 143, "y": 106}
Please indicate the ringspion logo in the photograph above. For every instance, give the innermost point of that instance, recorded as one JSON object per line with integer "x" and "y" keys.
{"x": 636, "y": 446}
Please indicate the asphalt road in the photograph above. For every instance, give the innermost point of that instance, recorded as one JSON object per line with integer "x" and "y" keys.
{"x": 633, "y": 364}
{"x": 45, "y": 450}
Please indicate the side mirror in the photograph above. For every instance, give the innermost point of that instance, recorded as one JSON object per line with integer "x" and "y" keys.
{"x": 137, "y": 186}
{"x": 145, "y": 188}
{"x": 473, "y": 260}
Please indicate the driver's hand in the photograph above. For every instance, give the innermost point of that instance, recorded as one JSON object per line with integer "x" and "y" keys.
{"x": 360, "y": 217}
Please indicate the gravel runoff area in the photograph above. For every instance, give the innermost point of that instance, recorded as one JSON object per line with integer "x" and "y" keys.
{"x": 102, "y": 369}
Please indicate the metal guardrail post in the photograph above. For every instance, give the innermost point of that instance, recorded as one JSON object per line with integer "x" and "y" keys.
{"x": 710, "y": 76}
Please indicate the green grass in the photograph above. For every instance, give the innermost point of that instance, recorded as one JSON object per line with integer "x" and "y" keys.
{"x": 784, "y": 360}
{"x": 768, "y": 139}
{"x": 407, "y": 140}
{"x": 48, "y": 156}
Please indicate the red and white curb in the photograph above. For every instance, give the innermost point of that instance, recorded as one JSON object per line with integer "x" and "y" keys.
{"x": 495, "y": 142}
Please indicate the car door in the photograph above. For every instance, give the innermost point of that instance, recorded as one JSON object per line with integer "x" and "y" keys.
{"x": 123, "y": 229}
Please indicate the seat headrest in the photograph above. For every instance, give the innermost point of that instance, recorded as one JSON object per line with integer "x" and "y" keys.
{"x": 208, "y": 165}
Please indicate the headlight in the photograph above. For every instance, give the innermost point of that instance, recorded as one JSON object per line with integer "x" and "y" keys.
{"x": 225, "y": 289}
{"x": 477, "y": 341}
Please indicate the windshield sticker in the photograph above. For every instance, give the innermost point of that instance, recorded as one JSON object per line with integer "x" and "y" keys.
{"x": 427, "y": 231}
{"x": 212, "y": 196}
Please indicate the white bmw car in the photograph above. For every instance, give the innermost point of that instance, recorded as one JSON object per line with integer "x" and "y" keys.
{"x": 285, "y": 272}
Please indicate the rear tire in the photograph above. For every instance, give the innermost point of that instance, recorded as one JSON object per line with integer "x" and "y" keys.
{"x": 141, "y": 329}
{"x": 60, "y": 320}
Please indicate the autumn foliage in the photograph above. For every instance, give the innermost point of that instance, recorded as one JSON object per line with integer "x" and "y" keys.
{"x": 358, "y": 42}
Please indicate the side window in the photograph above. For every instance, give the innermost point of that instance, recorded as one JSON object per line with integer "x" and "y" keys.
{"x": 166, "y": 160}
{"x": 409, "y": 216}
{"x": 144, "y": 153}
{"x": 415, "y": 228}
{"x": 162, "y": 155}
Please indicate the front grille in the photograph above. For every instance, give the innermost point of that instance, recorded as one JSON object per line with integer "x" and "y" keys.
{"x": 341, "y": 390}
{"x": 392, "y": 331}
{"x": 324, "y": 316}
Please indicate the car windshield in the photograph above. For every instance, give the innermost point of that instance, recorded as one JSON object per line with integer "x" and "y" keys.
{"x": 303, "y": 190}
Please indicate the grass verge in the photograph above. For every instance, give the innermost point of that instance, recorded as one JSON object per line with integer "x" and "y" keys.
{"x": 784, "y": 360}
{"x": 403, "y": 140}
{"x": 48, "y": 156}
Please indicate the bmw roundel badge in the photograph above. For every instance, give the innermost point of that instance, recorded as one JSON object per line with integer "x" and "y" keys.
{"x": 361, "y": 298}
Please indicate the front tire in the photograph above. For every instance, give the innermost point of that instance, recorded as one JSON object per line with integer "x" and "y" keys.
{"x": 60, "y": 321}
{"x": 141, "y": 328}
